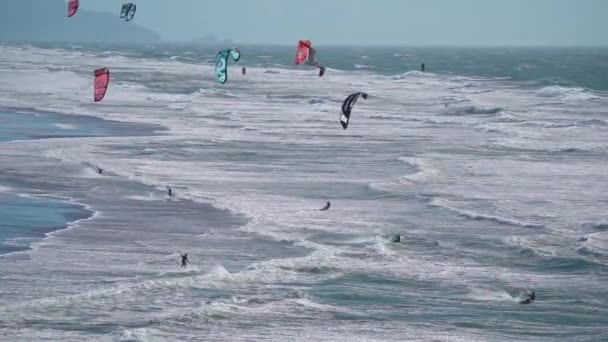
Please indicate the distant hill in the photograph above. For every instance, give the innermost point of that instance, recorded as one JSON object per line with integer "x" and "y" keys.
{"x": 46, "y": 20}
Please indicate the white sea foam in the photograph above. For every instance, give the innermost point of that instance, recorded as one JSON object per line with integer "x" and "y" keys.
{"x": 66, "y": 126}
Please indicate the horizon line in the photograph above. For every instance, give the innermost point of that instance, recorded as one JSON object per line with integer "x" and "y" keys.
{"x": 281, "y": 44}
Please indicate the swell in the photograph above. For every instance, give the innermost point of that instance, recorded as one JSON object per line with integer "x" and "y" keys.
{"x": 474, "y": 110}
{"x": 472, "y": 215}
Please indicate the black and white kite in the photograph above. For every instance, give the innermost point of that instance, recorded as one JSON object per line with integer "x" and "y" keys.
{"x": 347, "y": 107}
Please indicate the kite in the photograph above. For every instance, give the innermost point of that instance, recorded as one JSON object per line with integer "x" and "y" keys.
{"x": 221, "y": 63}
{"x": 73, "y": 7}
{"x": 305, "y": 53}
{"x": 347, "y": 107}
{"x": 128, "y": 11}
{"x": 102, "y": 79}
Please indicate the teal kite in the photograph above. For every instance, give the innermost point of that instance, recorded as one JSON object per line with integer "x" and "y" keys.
{"x": 221, "y": 63}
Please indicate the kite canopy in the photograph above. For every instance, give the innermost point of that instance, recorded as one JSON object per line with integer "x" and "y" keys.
{"x": 124, "y": 10}
{"x": 128, "y": 11}
{"x": 347, "y": 107}
{"x": 303, "y": 51}
{"x": 307, "y": 54}
{"x": 221, "y": 63}
{"x": 73, "y": 7}
{"x": 102, "y": 79}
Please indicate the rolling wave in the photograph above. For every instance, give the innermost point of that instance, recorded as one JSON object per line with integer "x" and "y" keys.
{"x": 437, "y": 202}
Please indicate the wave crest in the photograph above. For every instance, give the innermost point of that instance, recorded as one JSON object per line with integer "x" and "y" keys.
{"x": 567, "y": 93}
{"x": 440, "y": 203}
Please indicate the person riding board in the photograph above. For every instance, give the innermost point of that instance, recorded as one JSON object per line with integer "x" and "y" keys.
{"x": 313, "y": 61}
{"x": 185, "y": 260}
{"x": 530, "y": 299}
{"x": 326, "y": 207}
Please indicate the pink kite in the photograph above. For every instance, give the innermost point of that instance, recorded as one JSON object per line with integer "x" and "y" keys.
{"x": 303, "y": 51}
{"x": 102, "y": 78}
{"x": 73, "y": 7}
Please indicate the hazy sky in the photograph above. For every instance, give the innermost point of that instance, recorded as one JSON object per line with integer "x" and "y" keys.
{"x": 405, "y": 22}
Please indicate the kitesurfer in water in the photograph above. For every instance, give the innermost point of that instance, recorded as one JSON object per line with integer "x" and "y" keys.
{"x": 169, "y": 191}
{"x": 185, "y": 260}
{"x": 244, "y": 71}
{"x": 99, "y": 170}
{"x": 396, "y": 238}
{"x": 422, "y": 67}
{"x": 326, "y": 207}
{"x": 530, "y": 299}
{"x": 312, "y": 60}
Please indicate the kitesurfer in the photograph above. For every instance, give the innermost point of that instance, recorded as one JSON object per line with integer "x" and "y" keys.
{"x": 422, "y": 67}
{"x": 307, "y": 54}
{"x": 326, "y": 207}
{"x": 169, "y": 191}
{"x": 244, "y": 71}
{"x": 99, "y": 170}
{"x": 321, "y": 71}
{"x": 185, "y": 260}
{"x": 530, "y": 299}
{"x": 396, "y": 238}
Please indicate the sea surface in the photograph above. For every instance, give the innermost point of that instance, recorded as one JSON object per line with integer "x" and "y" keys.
{"x": 30, "y": 211}
{"x": 491, "y": 166}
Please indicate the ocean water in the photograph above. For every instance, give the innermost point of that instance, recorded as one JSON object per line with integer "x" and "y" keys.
{"x": 19, "y": 227}
{"x": 28, "y": 210}
{"x": 26, "y": 125}
{"x": 491, "y": 166}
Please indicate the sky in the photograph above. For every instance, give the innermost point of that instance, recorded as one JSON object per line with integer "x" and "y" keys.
{"x": 376, "y": 22}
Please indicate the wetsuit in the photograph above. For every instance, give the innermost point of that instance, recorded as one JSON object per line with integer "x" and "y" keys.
{"x": 326, "y": 207}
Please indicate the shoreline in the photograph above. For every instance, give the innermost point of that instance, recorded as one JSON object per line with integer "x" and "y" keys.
{"x": 71, "y": 211}
{"x": 27, "y": 124}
